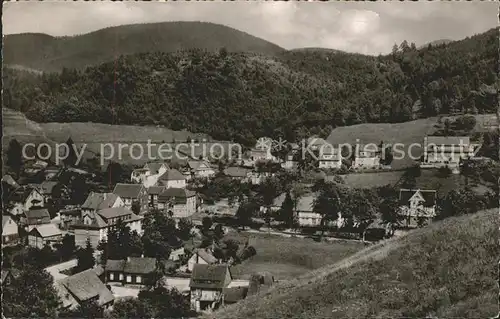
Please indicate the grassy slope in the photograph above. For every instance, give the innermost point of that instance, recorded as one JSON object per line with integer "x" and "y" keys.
{"x": 391, "y": 133}
{"x": 289, "y": 257}
{"x": 447, "y": 269}
{"x": 47, "y": 53}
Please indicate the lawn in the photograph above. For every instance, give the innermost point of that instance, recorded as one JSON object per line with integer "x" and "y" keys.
{"x": 287, "y": 258}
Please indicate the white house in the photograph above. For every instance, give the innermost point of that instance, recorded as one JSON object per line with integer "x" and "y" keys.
{"x": 440, "y": 151}
{"x": 200, "y": 169}
{"x": 180, "y": 201}
{"x": 97, "y": 201}
{"x": 306, "y": 216}
{"x": 416, "y": 204}
{"x": 24, "y": 198}
{"x": 172, "y": 178}
{"x": 94, "y": 226}
{"x": 47, "y": 234}
{"x": 10, "y": 231}
{"x": 329, "y": 157}
{"x": 366, "y": 157}
{"x": 132, "y": 193}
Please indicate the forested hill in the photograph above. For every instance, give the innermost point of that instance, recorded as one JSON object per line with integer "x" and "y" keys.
{"x": 47, "y": 53}
{"x": 243, "y": 96}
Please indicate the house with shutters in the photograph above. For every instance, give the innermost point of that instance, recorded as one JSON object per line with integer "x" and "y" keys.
{"x": 131, "y": 271}
{"x": 180, "y": 201}
{"x": 95, "y": 225}
{"x": 132, "y": 193}
{"x": 207, "y": 286}
{"x": 417, "y": 206}
{"x": 172, "y": 179}
{"x": 366, "y": 157}
{"x": 44, "y": 235}
{"x": 10, "y": 231}
{"x": 24, "y": 198}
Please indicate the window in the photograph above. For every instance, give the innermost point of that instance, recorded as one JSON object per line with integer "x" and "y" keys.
{"x": 129, "y": 278}
{"x": 138, "y": 279}
{"x": 111, "y": 276}
{"x": 121, "y": 276}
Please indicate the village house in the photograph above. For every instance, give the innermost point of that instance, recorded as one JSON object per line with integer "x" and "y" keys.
{"x": 176, "y": 254}
{"x": 153, "y": 193}
{"x": 33, "y": 167}
{"x": 329, "y": 157}
{"x": 276, "y": 205}
{"x": 97, "y": 201}
{"x": 132, "y": 271}
{"x": 366, "y": 157}
{"x": 201, "y": 256}
{"x": 82, "y": 288}
{"x": 69, "y": 217}
{"x": 441, "y": 151}
{"x": 34, "y": 217}
{"x": 133, "y": 193}
{"x": 42, "y": 235}
{"x": 10, "y": 231}
{"x": 207, "y": 286}
{"x": 417, "y": 205}
{"x": 180, "y": 201}
{"x": 260, "y": 153}
{"x": 149, "y": 174}
{"x": 290, "y": 163}
{"x": 156, "y": 168}
{"x": 139, "y": 175}
{"x": 47, "y": 189}
{"x": 172, "y": 178}
{"x": 238, "y": 173}
{"x": 306, "y": 216}
{"x": 24, "y": 198}
{"x": 51, "y": 172}
{"x": 200, "y": 169}
{"x": 95, "y": 225}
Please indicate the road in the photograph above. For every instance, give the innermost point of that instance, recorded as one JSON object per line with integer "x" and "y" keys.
{"x": 55, "y": 270}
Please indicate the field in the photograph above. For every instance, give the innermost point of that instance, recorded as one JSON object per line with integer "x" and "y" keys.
{"x": 429, "y": 179}
{"x": 390, "y": 133}
{"x": 445, "y": 270}
{"x": 287, "y": 258}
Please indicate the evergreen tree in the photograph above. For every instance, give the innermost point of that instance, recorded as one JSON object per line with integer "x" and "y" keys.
{"x": 71, "y": 159}
{"x": 85, "y": 257}
{"x": 14, "y": 157}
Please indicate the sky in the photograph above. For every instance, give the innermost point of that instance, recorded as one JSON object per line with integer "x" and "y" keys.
{"x": 368, "y": 28}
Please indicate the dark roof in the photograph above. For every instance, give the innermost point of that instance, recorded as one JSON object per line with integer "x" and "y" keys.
{"x": 86, "y": 285}
{"x": 236, "y": 171}
{"x": 178, "y": 194}
{"x": 429, "y": 196}
{"x": 209, "y": 276}
{"x": 154, "y": 167}
{"x": 10, "y": 180}
{"x": 37, "y": 216}
{"x": 128, "y": 190}
{"x": 132, "y": 265}
{"x": 235, "y": 294}
{"x": 71, "y": 212}
{"x": 47, "y": 187}
{"x": 114, "y": 212}
{"x": 21, "y": 194}
{"x": 206, "y": 256}
{"x": 100, "y": 200}
{"x": 155, "y": 190}
{"x": 171, "y": 175}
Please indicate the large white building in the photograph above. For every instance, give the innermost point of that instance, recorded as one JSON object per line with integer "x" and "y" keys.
{"x": 441, "y": 151}
{"x": 366, "y": 157}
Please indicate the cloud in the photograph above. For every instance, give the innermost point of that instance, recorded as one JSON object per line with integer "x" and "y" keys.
{"x": 365, "y": 27}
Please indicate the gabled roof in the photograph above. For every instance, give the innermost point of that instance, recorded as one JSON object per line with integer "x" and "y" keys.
{"x": 154, "y": 167}
{"x": 132, "y": 265}
{"x": 235, "y": 171}
{"x": 195, "y": 165}
{"x": 33, "y": 215}
{"x": 86, "y": 285}
{"x": 21, "y": 194}
{"x": 98, "y": 201}
{"x": 448, "y": 140}
{"x": 172, "y": 175}
{"x": 46, "y": 230}
{"x": 206, "y": 256}
{"x": 47, "y": 187}
{"x": 128, "y": 190}
{"x": 155, "y": 190}
{"x": 180, "y": 194}
{"x": 429, "y": 196}
{"x": 209, "y": 276}
{"x": 114, "y": 212}
{"x": 5, "y": 220}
